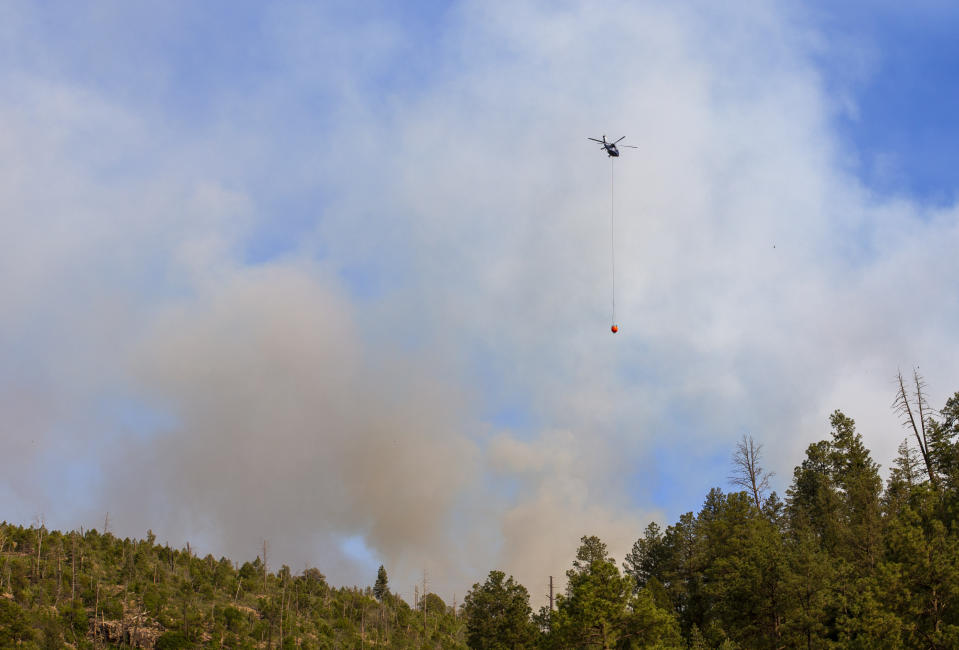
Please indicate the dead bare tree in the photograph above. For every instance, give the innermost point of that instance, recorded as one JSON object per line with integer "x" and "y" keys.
{"x": 96, "y": 609}
{"x": 424, "y": 599}
{"x": 747, "y": 471}
{"x": 41, "y": 528}
{"x": 908, "y": 406}
{"x": 56, "y": 599}
{"x": 3, "y": 542}
{"x": 265, "y": 548}
{"x": 73, "y": 562}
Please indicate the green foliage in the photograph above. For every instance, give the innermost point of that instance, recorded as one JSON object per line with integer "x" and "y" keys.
{"x": 173, "y": 641}
{"x": 841, "y": 563}
{"x": 593, "y": 610}
{"x": 601, "y": 609}
{"x": 944, "y": 452}
{"x": 744, "y": 566}
{"x": 433, "y": 604}
{"x": 124, "y": 586}
{"x": 648, "y": 556}
{"x": 381, "y": 586}
{"x": 14, "y": 625}
{"x": 649, "y": 625}
{"x": 498, "y": 614}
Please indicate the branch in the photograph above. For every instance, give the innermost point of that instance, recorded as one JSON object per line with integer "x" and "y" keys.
{"x": 902, "y": 405}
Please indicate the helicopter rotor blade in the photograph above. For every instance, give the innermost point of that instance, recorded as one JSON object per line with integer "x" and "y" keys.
{"x": 629, "y": 146}
{"x": 620, "y": 139}
{"x": 595, "y": 140}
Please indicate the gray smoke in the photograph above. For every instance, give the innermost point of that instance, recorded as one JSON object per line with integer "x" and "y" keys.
{"x": 289, "y": 429}
{"x": 443, "y": 264}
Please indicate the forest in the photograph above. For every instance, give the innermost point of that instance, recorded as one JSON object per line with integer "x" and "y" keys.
{"x": 842, "y": 560}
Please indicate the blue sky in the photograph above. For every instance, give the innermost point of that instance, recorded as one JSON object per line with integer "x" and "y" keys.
{"x": 906, "y": 99}
{"x": 339, "y": 271}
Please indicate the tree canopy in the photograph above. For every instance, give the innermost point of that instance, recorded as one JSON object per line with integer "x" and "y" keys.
{"x": 498, "y": 614}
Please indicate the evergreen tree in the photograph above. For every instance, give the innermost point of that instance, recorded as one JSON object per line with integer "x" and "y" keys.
{"x": 673, "y": 565}
{"x": 856, "y": 477}
{"x": 922, "y": 572}
{"x": 944, "y": 446}
{"x": 647, "y": 558}
{"x": 904, "y": 476}
{"x": 649, "y": 625}
{"x": 498, "y": 614}
{"x": 744, "y": 570}
{"x": 14, "y": 625}
{"x": 808, "y": 585}
{"x": 813, "y": 501}
{"x": 600, "y": 610}
{"x": 592, "y": 613}
{"x": 834, "y": 503}
{"x": 381, "y": 587}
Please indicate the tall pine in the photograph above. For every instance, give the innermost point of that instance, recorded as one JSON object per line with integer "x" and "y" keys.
{"x": 381, "y": 587}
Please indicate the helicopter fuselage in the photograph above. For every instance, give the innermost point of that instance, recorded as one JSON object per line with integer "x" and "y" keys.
{"x": 610, "y": 147}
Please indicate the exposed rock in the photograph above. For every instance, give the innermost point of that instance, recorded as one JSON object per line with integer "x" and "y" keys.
{"x": 130, "y": 631}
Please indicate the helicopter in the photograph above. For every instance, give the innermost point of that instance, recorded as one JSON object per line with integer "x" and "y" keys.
{"x": 610, "y": 147}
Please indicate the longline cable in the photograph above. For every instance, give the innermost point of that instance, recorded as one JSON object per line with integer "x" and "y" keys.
{"x": 612, "y": 246}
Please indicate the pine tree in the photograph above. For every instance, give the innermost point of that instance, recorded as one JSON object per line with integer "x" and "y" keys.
{"x": 904, "y": 476}
{"x": 647, "y": 558}
{"x": 498, "y": 614}
{"x": 856, "y": 477}
{"x": 599, "y": 609}
{"x": 381, "y": 588}
{"x": 923, "y": 572}
{"x": 944, "y": 446}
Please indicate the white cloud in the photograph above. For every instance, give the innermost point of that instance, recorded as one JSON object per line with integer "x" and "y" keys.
{"x": 760, "y": 285}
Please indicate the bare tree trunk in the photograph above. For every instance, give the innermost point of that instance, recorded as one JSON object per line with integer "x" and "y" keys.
{"x": 269, "y": 635}
{"x": 96, "y": 608}
{"x": 56, "y": 599}
{"x": 903, "y": 405}
{"x": 123, "y": 612}
{"x": 73, "y": 561}
{"x": 40, "y": 525}
{"x": 213, "y": 611}
{"x": 747, "y": 472}
{"x": 136, "y": 624}
{"x": 282, "y": 598}
{"x": 265, "y": 545}
{"x": 424, "y": 603}
{"x": 189, "y": 563}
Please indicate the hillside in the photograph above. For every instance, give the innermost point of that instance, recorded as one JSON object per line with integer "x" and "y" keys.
{"x": 88, "y": 589}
